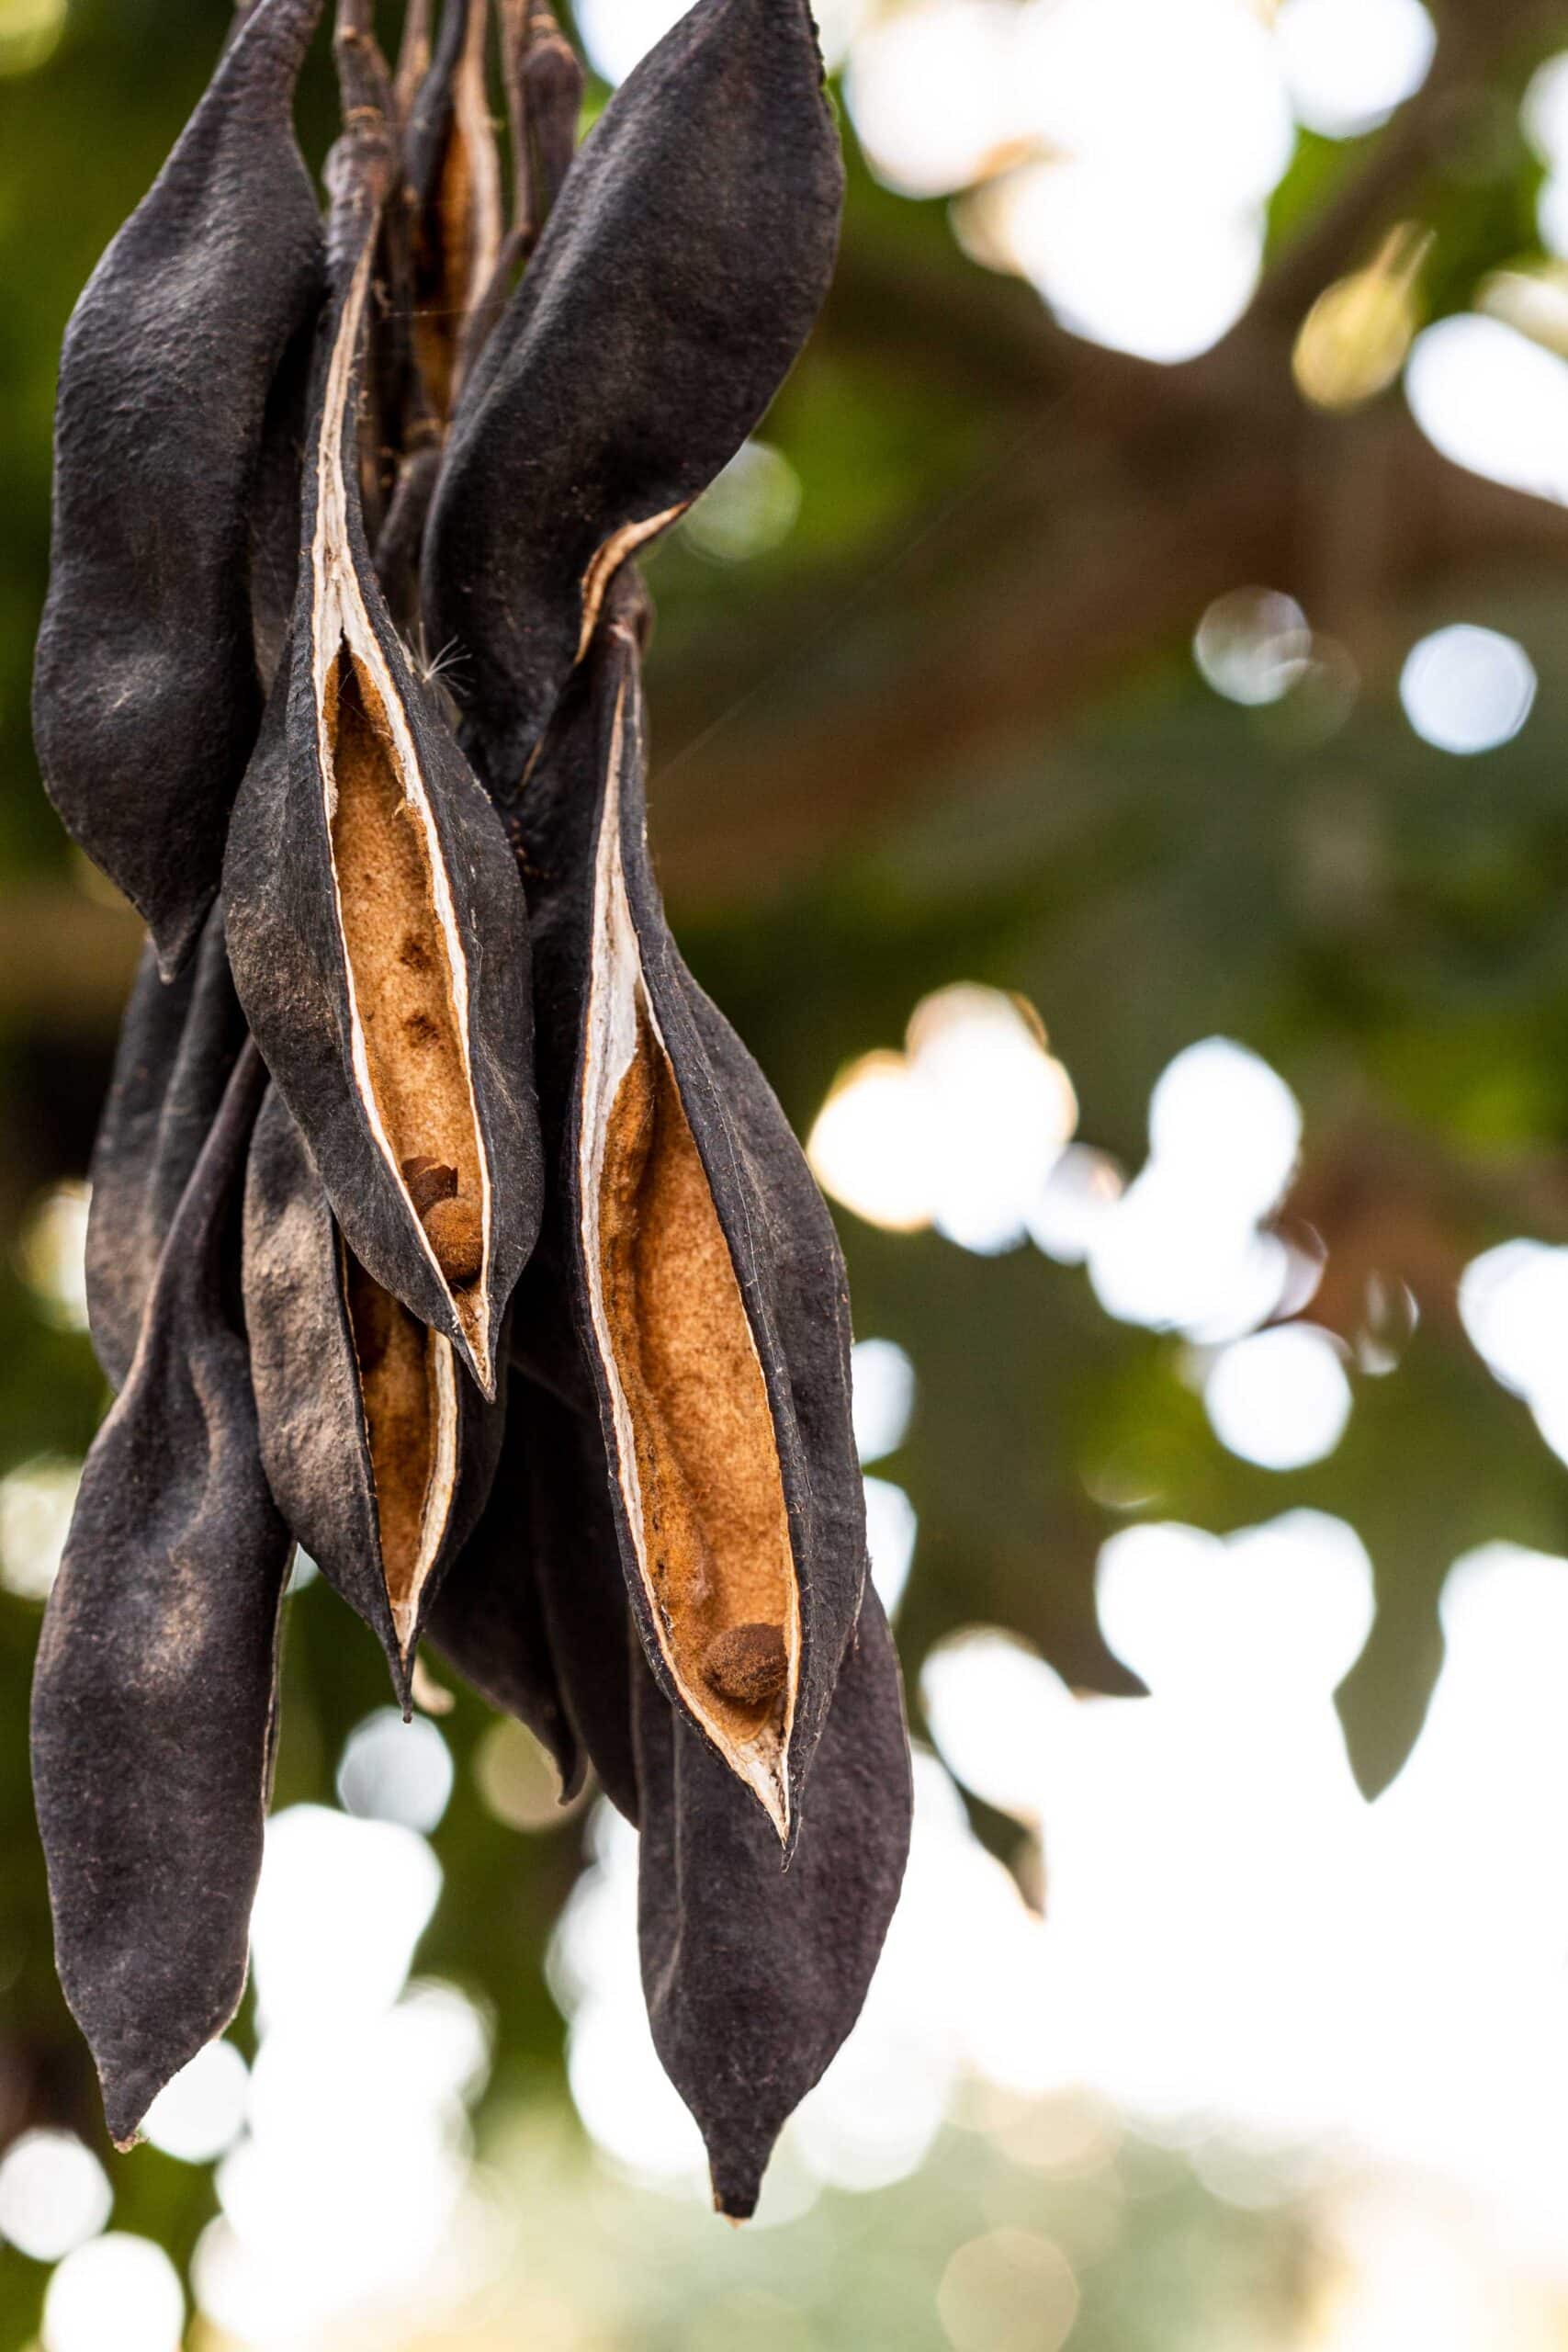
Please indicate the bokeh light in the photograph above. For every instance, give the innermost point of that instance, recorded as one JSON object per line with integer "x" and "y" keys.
{"x": 54, "y": 2194}
{"x": 30, "y": 32}
{"x": 750, "y": 508}
{"x": 516, "y": 1778}
{"x": 53, "y": 1254}
{"x": 118, "y": 2290}
{"x": 1011, "y": 2290}
{"x": 1280, "y": 1399}
{"x": 1252, "y": 645}
{"x": 930, "y": 91}
{"x": 36, "y": 1504}
{"x": 200, "y": 2114}
{"x": 341, "y": 1906}
{"x": 1466, "y": 689}
{"x": 884, "y": 1397}
{"x": 1347, "y": 63}
{"x": 1488, "y": 398}
{"x": 960, "y": 1132}
{"x": 393, "y": 1770}
{"x": 891, "y": 1527}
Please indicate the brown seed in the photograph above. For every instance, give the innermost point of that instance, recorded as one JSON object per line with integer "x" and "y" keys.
{"x": 457, "y": 1236}
{"x": 429, "y": 1181}
{"x": 746, "y": 1665}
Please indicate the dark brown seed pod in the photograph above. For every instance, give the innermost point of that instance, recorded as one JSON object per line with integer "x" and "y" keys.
{"x": 754, "y": 1974}
{"x": 488, "y": 1622}
{"x": 454, "y": 175}
{"x": 379, "y": 1455}
{"x": 375, "y": 923}
{"x": 677, "y": 279}
{"x": 153, "y": 1694}
{"x": 705, "y": 1270}
{"x": 275, "y": 505}
{"x": 535, "y": 1613}
{"x": 146, "y": 700}
{"x": 178, "y": 1042}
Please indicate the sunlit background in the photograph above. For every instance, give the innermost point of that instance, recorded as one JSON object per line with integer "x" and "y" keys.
{"x": 1109, "y": 731}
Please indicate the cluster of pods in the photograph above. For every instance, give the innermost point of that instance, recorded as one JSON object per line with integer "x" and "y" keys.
{"x": 440, "y": 1224}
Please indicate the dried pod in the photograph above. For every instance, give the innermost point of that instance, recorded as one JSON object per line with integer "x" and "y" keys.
{"x": 154, "y": 1695}
{"x": 489, "y": 1620}
{"x": 179, "y": 1043}
{"x": 146, "y": 700}
{"x": 379, "y": 1456}
{"x": 413, "y": 57}
{"x": 707, "y": 1272}
{"x": 753, "y": 1974}
{"x": 454, "y": 175}
{"x": 678, "y": 277}
{"x": 375, "y": 923}
{"x": 535, "y": 1613}
{"x": 275, "y": 505}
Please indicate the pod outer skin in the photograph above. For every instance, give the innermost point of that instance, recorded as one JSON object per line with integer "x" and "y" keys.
{"x": 314, "y": 1443}
{"x": 155, "y": 1689}
{"x": 488, "y": 1621}
{"x": 178, "y": 1042}
{"x": 535, "y": 1614}
{"x": 679, "y": 274}
{"x": 146, "y": 699}
{"x": 781, "y": 1237}
{"x": 754, "y": 1974}
{"x": 289, "y": 961}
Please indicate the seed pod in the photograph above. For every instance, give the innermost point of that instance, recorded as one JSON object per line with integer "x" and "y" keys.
{"x": 413, "y": 57}
{"x": 154, "y": 1695}
{"x": 535, "y": 1613}
{"x": 707, "y": 1272}
{"x": 274, "y": 506}
{"x": 179, "y": 1043}
{"x": 146, "y": 700}
{"x": 454, "y": 175}
{"x": 678, "y": 277}
{"x": 488, "y": 1622}
{"x": 376, "y": 922}
{"x": 379, "y": 1456}
{"x": 754, "y": 1974}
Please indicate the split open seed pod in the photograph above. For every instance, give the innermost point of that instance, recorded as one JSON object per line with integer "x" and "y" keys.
{"x": 454, "y": 186}
{"x": 179, "y": 1043}
{"x": 375, "y": 923}
{"x": 153, "y": 1692}
{"x": 754, "y": 1975}
{"x": 378, "y": 1454}
{"x": 678, "y": 277}
{"x": 146, "y": 699}
{"x": 707, "y": 1275}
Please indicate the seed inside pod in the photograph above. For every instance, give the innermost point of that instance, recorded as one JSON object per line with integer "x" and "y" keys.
{"x": 749, "y": 1665}
{"x": 408, "y": 1382}
{"x": 457, "y": 1236}
{"x": 697, "y": 1458}
{"x": 428, "y": 1181}
{"x": 408, "y": 979}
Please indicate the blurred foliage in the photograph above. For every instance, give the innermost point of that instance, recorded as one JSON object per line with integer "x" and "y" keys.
{"x": 1150, "y": 866}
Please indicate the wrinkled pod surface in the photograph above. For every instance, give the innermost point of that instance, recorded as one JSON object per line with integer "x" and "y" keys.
{"x": 154, "y": 1693}
{"x": 375, "y": 923}
{"x": 378, "y": 1454}
{"x": 706, "y": 1275}
{"x": 146, "y": 696}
